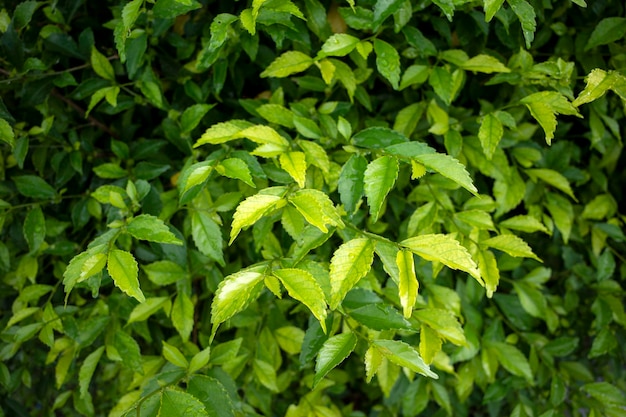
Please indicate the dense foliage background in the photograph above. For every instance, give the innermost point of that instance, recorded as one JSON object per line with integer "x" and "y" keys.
{"x": 312, "y": 208}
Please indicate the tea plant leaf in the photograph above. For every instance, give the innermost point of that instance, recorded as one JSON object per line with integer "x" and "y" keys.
{"x": 251, "y": 210}
{"x": 404, "y": 355}
{"x": 387, "y": 62}
{"x": 351, "y": 182}
{"x": 512, "y": 359}
{"x": 450, "y": 168}
{"x": 207, "y": 236}
{"x": 152, "y": 229}
{"x": 340, "y": 44}
{"x": 302, "y": 286}
{"x": 379, "y": 178}
{"x": 488, "y": 267}
{"x": 490, "y": 133}
{"x": 444, "y": 323}
{"x": 164, "y": 272}
{"x": 124, "y": 270}
{"x": 87, "y": 370}
{"x": 598, "y": 83}
{"x": 511, "y": 244}
{"x": 408, "y": 285}
{"x": 101, "y": 65}
{"x": 288, "y": 63}
{"x": 235, "y": 168}
{"x": 350, "y": 262}
{"x": 610, "y": 29}
{"x": 553, "y": 178}
{"x": 146, "y": 309}
{"x": 182, "y": 315}
{"x": 444, "y": 249}
{"x": 491, "y": 8}
{"x": 385, "y": 8}
{"x": 295, "y": 165}
{"x": 485, "y": 64}
{"x": 234, "y": 294}
{"x": 173, "y": 401}
{"x": 430, "y": 344}
{"x": 527, "y": 17}
{"x": 334, "y": 351}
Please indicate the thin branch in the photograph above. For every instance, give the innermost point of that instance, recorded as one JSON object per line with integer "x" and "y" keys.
{"x": 92, "y": 120}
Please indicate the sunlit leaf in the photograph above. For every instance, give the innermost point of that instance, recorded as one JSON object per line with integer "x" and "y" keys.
{"x": 302, "y": 286}
{"x": 379, "y": 178}
{"x": 332, "y": 353}
{"x": 350, "y": 262}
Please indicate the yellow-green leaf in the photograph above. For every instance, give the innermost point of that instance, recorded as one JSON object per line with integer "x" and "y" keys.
{"x": 144, "y": 310}
{"x": 484, "y": 63}
{"x": 295, "y": 165}
{"x": 302, "y": 286}
{"x": 379, "y": 178}
{"x": 488, "y": 267}
{"x": 430, "y": 344}
{"x": 173, "y": 355}
{"x": 444, "y": 249}
{"x": 124, "y": 270}
{"x": 490, "y": 133}
{"x": 101, "y": 65}
{"x": 222, "y": 132}
{"x": 264, "y": 135}
{"x": 511, "y": 244}
{"x": 251, "y": 210}
{"x": 288, "y": 63}
{"x": 444, "y": 323}
{"x": 404, "y": 355}
{"x": 408, "y": 285}
{"x": 234, "y": 294}
{"x": 350, "y": 262}
{"x": 553, "y": 178}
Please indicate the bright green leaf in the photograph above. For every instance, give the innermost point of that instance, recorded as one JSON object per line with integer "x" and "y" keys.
{"x": 164, "y": 272}
{"x": 491, "y": 8}
{"x": 387, "y": 62}
{"x": 512, "y": 245}
{"x": 484, "y": 63}
{"x": 379, "y": 178}
{"x": 526, "y": 15}
{"x": 251, "y": 210}
{"x": 295, "y": 165}
{"x": 288, "y": 63}
{"x": 234, "y": 294}
{"x": 489, "y": 271}
{"x": 350, "y": 262}
{"x": 123, "y": 269}
{"x": 404, "y": 355}
{"x": 302, "y": 286}
{"x": 207, "y": 235}
{"x": 444, "y": 249}
{"x": 173, "y": 355}
{"x": 512, "y": 359}
{"x": 489, "y": 134}
{"x": 101, "y": 65}
{"x": 182, "y": 315}
{"x": 553, "y": 178}
{"x": 173, "y": 402}
{"x": 450, "y": 168}
{"x": 332, "y": 353}
{"x": 430, "y": 344}
{"x": 146, "y": 309}
{"x": 6, "y": 133}
{"x": 152, "y": 229}
{"x": 340, "y": 44}
{"x": 444, "y": 323}
{"x": 408, "y": 284}
{"x": 236, "y": 168}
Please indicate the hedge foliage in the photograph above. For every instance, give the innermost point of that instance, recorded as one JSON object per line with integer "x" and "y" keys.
{"x": 312, "y": 208}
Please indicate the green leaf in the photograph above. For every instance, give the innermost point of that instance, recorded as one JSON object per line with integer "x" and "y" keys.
{"x": 182, "y": 315}
{"x": 87, "y": 370}
{"x": 378, "y": 138}
{"x": 430, "y": 344}
{"x": 447, "y": 6}
{"x": 6, "y": 133}
{"x": 130, "y": 12}
{"x": 101, "y": 65}
{"x": 546, "y": 117}
{"x": 415, "y": 74}
{"x": 307, "y": 127}
{"x": 288, "y": 63}
{"x": 290, "y": 339}
{"x": 316, "y": 208}
{"x": 598, "y": 83}
{"x": 169, "y": 9}
{"x": 213, "y": 394}
{"x": 350, "y": 262}
{"x": 403, "y": 355}
{"x": 512, "y": 360}
{"x": 491, "y": 8}
{"x": 251, "y": 210}
{"x": 444, "y": 249}
{"x": 302, "y": 286}
{"x": 164, "y": 272}
{"x": 610, "y": 29}
{"x": 123, "y": 269}
{"x": 200, "y": 360}
{"x": 351, "y": 185}
{"x": 295, "y": 165}
{"x": 531, "y": 299}
{"x": 236, "y": 168}
{"x": 264, "y": 135}
{"x": 128, "y": 351}
{"x": 512, "y": 245}
{"x": 173, "y": 402}
{"x": 192, "y": 116}
{"x": 340, "y": 44}
{"x": 379, "y": 178}
{"x": 222, "y": 132}
{"x": 146, "y": 309}
{"x": 191, "y": 179}
{"x": 110, "y": 171}
{"x": 524, "y": 223}
{"x": 553, "y": 178}
{"x": 34, "y": 228}
{"x": 315, "y": 155}
{"x": 173, "y": 355}
{"x": 484, "y": 63}
{"x": 275, "y": 113}
{"x": 444, "y": 323}
{"x": 408, "y": 285}
{"x": 207, "y": 236}
{"x": 234, "y": 294}
{"x": 440, "y": 80}
{"x": 388, "y": 62}
{"x": 562, "y": 213}
{"x": 489, "y": 271}
{"x": 380, "y": 317}
{"x": 34, "y": 187}
{"x": 606, "y": 393}
{"x": 334, "y": 351}
{"x": 385, "y": 8}
{"x": 490, "y": 133}
{"x": 24, "y": 12}
{"x": 152, "y": 229}
{"x": 449, "y": 167}
{"x": 526, "y": 15}
{"x": 544, "y": 106}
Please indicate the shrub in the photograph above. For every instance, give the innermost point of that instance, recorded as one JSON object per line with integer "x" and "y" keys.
{"x": 312, "y": 208}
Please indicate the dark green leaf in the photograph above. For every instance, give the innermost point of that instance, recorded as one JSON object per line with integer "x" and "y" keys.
{"x": 34, "y": 187}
